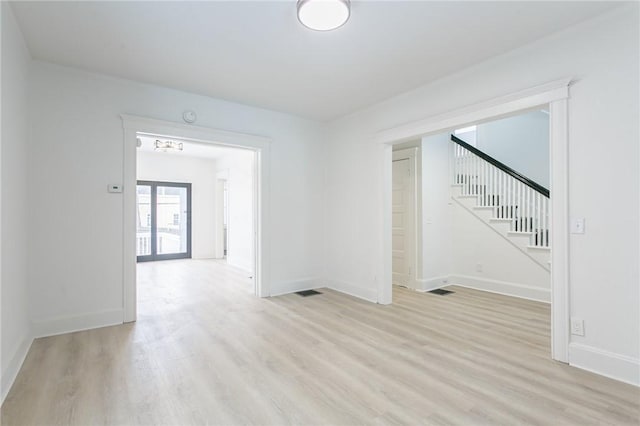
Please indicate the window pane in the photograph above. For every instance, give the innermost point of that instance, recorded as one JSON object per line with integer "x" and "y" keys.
{"x": 172, "y": 220}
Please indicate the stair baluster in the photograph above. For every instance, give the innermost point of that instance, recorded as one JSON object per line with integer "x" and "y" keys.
{"x": 511, "y": 195}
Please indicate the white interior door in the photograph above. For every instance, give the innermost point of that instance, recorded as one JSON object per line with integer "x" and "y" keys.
{"x": 403, "y": 221}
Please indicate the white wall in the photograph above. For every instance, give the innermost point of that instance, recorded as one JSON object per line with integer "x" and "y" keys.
{"x": 521, "y": 142}
{"x": 603, "y": 56}
{"x": 469, "y": 135}
{"x": 201, "y": 174}
{"x": 76, "y": 149}
{"x": 238, "y": 165}
{"x": 16, "y": 334}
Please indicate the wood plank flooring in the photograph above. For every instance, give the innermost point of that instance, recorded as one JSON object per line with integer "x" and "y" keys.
{"x": 206, "y": 351}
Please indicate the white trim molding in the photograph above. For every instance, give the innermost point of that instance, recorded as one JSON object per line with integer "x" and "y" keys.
{"x": 559, "y": 227}
{"x": 425, "y": 285}
{"x": 12, "y": 369}
{"x": 384, "y": 285}
{"x": 133, "y": 126}
{"x": 44, "y": 327}
{"x": 364, "y": 293}
{"x": 239, "y": 264}
{"x": 222, "y": 177}
{"x": 554, "y": 94}
{"x": 491, "y": 109}
{"x": 172, "y": 129}
{"x": 287, "y": 287}
{"x": 609, "y": 364}
{"x": 522, "y": 291}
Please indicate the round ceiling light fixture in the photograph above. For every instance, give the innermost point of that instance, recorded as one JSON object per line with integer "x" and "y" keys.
{"x": 323, "y": 15}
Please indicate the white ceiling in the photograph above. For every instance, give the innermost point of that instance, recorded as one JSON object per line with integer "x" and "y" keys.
{"x": 257, "y": 53}
{"x": 190, "y": 149}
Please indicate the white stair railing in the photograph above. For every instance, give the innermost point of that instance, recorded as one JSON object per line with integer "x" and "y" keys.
{"x": 512, "y": 197}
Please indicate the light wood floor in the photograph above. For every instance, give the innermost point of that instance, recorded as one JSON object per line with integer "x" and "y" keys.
{"x": 206, "y": 351}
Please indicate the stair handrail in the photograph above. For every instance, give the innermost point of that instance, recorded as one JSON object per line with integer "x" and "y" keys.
{"x": 508, "y": 170}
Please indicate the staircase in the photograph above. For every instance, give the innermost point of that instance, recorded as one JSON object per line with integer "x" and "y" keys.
{"x": 513, "y": 205}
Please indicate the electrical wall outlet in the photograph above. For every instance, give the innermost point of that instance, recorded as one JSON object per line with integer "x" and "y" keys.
{"x": 479, "y": 267}
{"x": 577, "y": 225}
{"x": 577, "y": 327}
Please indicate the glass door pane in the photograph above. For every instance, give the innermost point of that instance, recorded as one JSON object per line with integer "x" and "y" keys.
{"x": 164, "y": 220}
{"x": 143, "y": 220}
{"x": 172, "y": 219}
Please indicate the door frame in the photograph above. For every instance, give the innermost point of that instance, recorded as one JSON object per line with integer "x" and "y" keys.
{"x": 261, "y": 146}
{"x": 222, "y": 179}
{"x": 154, "y": 221}
{"x": 555, "y": 94}
{"x": 410, "y": 154}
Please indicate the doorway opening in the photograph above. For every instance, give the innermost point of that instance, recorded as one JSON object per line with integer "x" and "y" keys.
{"x": 201, "y": 187}
{"x": 243, "y": 163}
{"x": 188, "y": 201}
{"x": 552, "y": 98}
{"x": 476, "y": 212}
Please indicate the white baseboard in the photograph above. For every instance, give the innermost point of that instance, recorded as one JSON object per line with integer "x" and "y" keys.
{"x": 203, "y": 256}
{"x": 370, "y": 295}
{"x": 68, "y": 324}
{"x": 240, "y": 268}
{"x": 609, "y": 364}
{"x": 278, "y": 289}
{"x": 239, "y": 264}
{"x": 13, "y": 368}
{"x": 432, "y": 283}
{"x": 502, "y": 287}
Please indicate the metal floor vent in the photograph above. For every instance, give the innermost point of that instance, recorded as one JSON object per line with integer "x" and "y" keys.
{"x": 441, "y": 292}
{"x": 306, "y": 293}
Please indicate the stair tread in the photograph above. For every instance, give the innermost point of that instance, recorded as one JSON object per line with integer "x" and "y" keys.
{"x": 539, "y": 248}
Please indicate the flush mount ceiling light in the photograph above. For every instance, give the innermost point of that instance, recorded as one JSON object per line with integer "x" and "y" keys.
{"x": 165, "y": 146}
{"x": 323, "y": 15}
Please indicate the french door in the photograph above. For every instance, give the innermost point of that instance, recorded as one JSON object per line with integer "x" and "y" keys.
{"x": 164, "y": 220}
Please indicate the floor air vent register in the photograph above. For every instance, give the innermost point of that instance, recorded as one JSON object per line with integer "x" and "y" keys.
{"x": 306, "y": 293}
{"x": 441, "y": 292}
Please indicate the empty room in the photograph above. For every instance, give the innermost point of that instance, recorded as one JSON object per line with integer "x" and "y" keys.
{"x": 320, "y": 212}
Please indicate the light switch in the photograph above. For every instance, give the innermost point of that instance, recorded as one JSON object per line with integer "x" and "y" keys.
{"x": 577, "y": 225}
{"x": 114, "y": 188}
